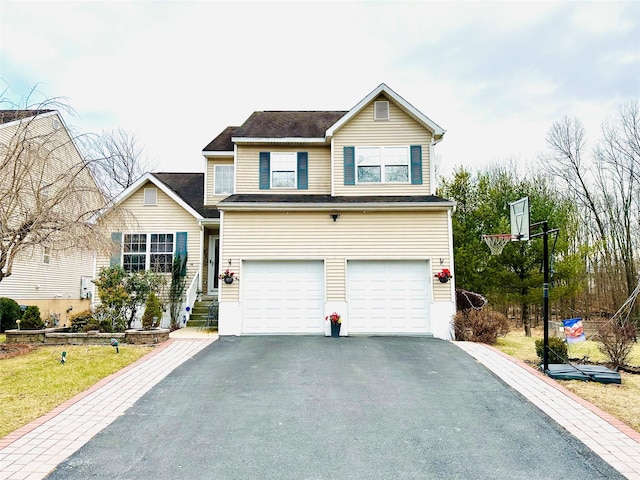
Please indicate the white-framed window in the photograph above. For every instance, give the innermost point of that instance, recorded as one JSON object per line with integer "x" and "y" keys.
{"x": 284, "y": 168}
{"x": 46, "y": 255}
{"x": 223, "y": 179}
{"x": 150, "y": 196}
{"x": 382, "y": 164}
{"x": 381, "y": 110}
{"x": 147, "y": 251}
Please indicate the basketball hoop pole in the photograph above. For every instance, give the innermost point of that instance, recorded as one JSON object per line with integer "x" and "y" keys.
{"x": 545, "y": 287}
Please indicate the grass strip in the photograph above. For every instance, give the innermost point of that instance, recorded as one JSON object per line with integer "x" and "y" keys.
{"x": 617, "y": 400}
{"x": 35, "y": 383}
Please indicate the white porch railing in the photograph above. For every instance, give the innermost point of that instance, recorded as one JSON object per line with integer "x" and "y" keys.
{"x": 190, "y": 299}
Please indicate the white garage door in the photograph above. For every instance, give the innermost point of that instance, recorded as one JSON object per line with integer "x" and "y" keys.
{"x": 283, "y": 296}
{"x": 388, "y": 296}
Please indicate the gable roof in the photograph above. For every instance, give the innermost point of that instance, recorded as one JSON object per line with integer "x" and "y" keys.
{"x": 308, "y": 126}
{"x": 186, "y": 189}
{"x": 409, "y": 109}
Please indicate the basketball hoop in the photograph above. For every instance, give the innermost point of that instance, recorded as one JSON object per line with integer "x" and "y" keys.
{"x": 497, "y": 242}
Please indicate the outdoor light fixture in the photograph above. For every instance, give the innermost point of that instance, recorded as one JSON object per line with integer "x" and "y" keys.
{"x": 334, "y": 216}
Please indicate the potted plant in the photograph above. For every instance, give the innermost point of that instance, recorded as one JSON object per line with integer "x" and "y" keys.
{"x": 228, "y": 276}
{"x": 444, "y": 275}
{"x": 336, "y": 322}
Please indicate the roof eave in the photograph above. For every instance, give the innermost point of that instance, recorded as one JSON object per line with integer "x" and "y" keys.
{"x": 264, "y": 140}
{"x": 217, "y": 153}
{"x": 369, "y": 206}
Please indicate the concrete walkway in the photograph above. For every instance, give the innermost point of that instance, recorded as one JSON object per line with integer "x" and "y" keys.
{"x": 612, "y": 440}
{"x": 33, "y": 451}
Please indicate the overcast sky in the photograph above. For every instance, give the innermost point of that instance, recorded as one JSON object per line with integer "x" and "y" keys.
{"x": 495, "y": 75}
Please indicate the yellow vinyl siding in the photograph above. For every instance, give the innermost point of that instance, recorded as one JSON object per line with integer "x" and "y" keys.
{"x": 209, "y": 197}
{"x": 247, "y": 168}
{"x": 165, "y": 217}
{"x": 355, "y": 235}
{"x": 364, "y": 131}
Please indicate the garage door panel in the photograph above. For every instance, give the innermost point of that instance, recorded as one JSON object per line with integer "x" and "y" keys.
{"x": 388, "y": 296}
{"x": 283, "y": 297}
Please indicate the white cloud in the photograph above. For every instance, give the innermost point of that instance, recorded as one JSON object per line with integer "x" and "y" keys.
{"x": 494, "y": 74}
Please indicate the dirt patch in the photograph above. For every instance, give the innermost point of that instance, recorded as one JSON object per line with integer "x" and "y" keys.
{"x": 8, "y": 350}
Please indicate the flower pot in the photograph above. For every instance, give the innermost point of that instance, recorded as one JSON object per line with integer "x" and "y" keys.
{"x": 443, "y": 279}
{"x": 228, "y": 280}
{"x": 335, "y": 329}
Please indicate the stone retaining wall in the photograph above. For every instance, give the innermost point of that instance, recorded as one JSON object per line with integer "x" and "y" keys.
{"x": 61, "y": 336}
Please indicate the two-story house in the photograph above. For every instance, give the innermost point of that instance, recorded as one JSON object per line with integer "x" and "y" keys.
{"x": 315, "y": 212}
{"x": 46, "y": 187}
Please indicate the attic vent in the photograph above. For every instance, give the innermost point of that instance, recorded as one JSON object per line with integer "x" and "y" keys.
{"x": 56, "y": 124}
{"x": 150, "y": 196}
{"x": 381, "y": 110}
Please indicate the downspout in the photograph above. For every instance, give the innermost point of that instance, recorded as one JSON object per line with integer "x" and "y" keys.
{"x": 220, "y": 249}
{"x": 200, "y": 269}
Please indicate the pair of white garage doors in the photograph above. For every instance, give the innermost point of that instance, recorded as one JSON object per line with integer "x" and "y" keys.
{"x": 390, "y": 296}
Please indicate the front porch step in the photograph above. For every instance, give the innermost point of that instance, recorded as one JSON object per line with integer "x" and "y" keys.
{"x": 200, "y": 313}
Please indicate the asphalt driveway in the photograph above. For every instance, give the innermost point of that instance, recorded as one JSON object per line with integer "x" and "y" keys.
{"x": 320, "y": 408}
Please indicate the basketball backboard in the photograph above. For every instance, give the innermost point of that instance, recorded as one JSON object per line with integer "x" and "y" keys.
{"x": 520, "y": 219}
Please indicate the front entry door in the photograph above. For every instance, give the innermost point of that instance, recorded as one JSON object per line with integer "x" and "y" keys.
{"x": 214, "y": 251}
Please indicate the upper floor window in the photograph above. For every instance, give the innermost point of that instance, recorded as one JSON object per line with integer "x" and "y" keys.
{"x": 223, "y": 179}
{"x": 382, "y": 164}
{"x": 143, "y": 251}
{"x": 283, "y": 170}
{"x": 46, "y": 255}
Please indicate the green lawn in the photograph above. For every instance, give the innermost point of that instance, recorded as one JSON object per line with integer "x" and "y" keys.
{"x": 35, "y": 383}
{"x": 621, "y": 401}
{"x": 517, "y": 345}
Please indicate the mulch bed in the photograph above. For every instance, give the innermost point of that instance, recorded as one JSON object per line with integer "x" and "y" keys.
{"x": 8, "y": 350}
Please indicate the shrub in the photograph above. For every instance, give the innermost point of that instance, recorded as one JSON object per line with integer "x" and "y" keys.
{"x": 558, "y": 350}
{"x": 480, "y": 326}
{"x": 9, "y": 313}
{"x": 31, "y": 319}
{"x": 151, "y": 310}
{"x": 616, "y": 341}
{"x": 78, "y": 321}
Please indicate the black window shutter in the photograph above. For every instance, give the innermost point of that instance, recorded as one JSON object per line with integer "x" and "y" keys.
{"x": 115, "y": 260}
{"x": 265, "y": 170}
{"x": 416, "y": 164}
{"x": 181, "y": 251}
{"x": 303, "y": 171}
{"x": 349, "y": 165}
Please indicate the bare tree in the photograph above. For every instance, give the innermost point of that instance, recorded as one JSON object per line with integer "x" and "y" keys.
{"x": 605, "y": 186}
{"x": 47, "y": 194}
{"x": 117, "y": 160}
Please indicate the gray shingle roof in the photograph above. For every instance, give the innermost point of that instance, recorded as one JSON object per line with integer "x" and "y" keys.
{"x": 248, "y": 199}
{"x": 7, "y": 116}
{"x": 189, "y": 187}
{"x": 293, "y": 124}
{"x": 222, "y": 143}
